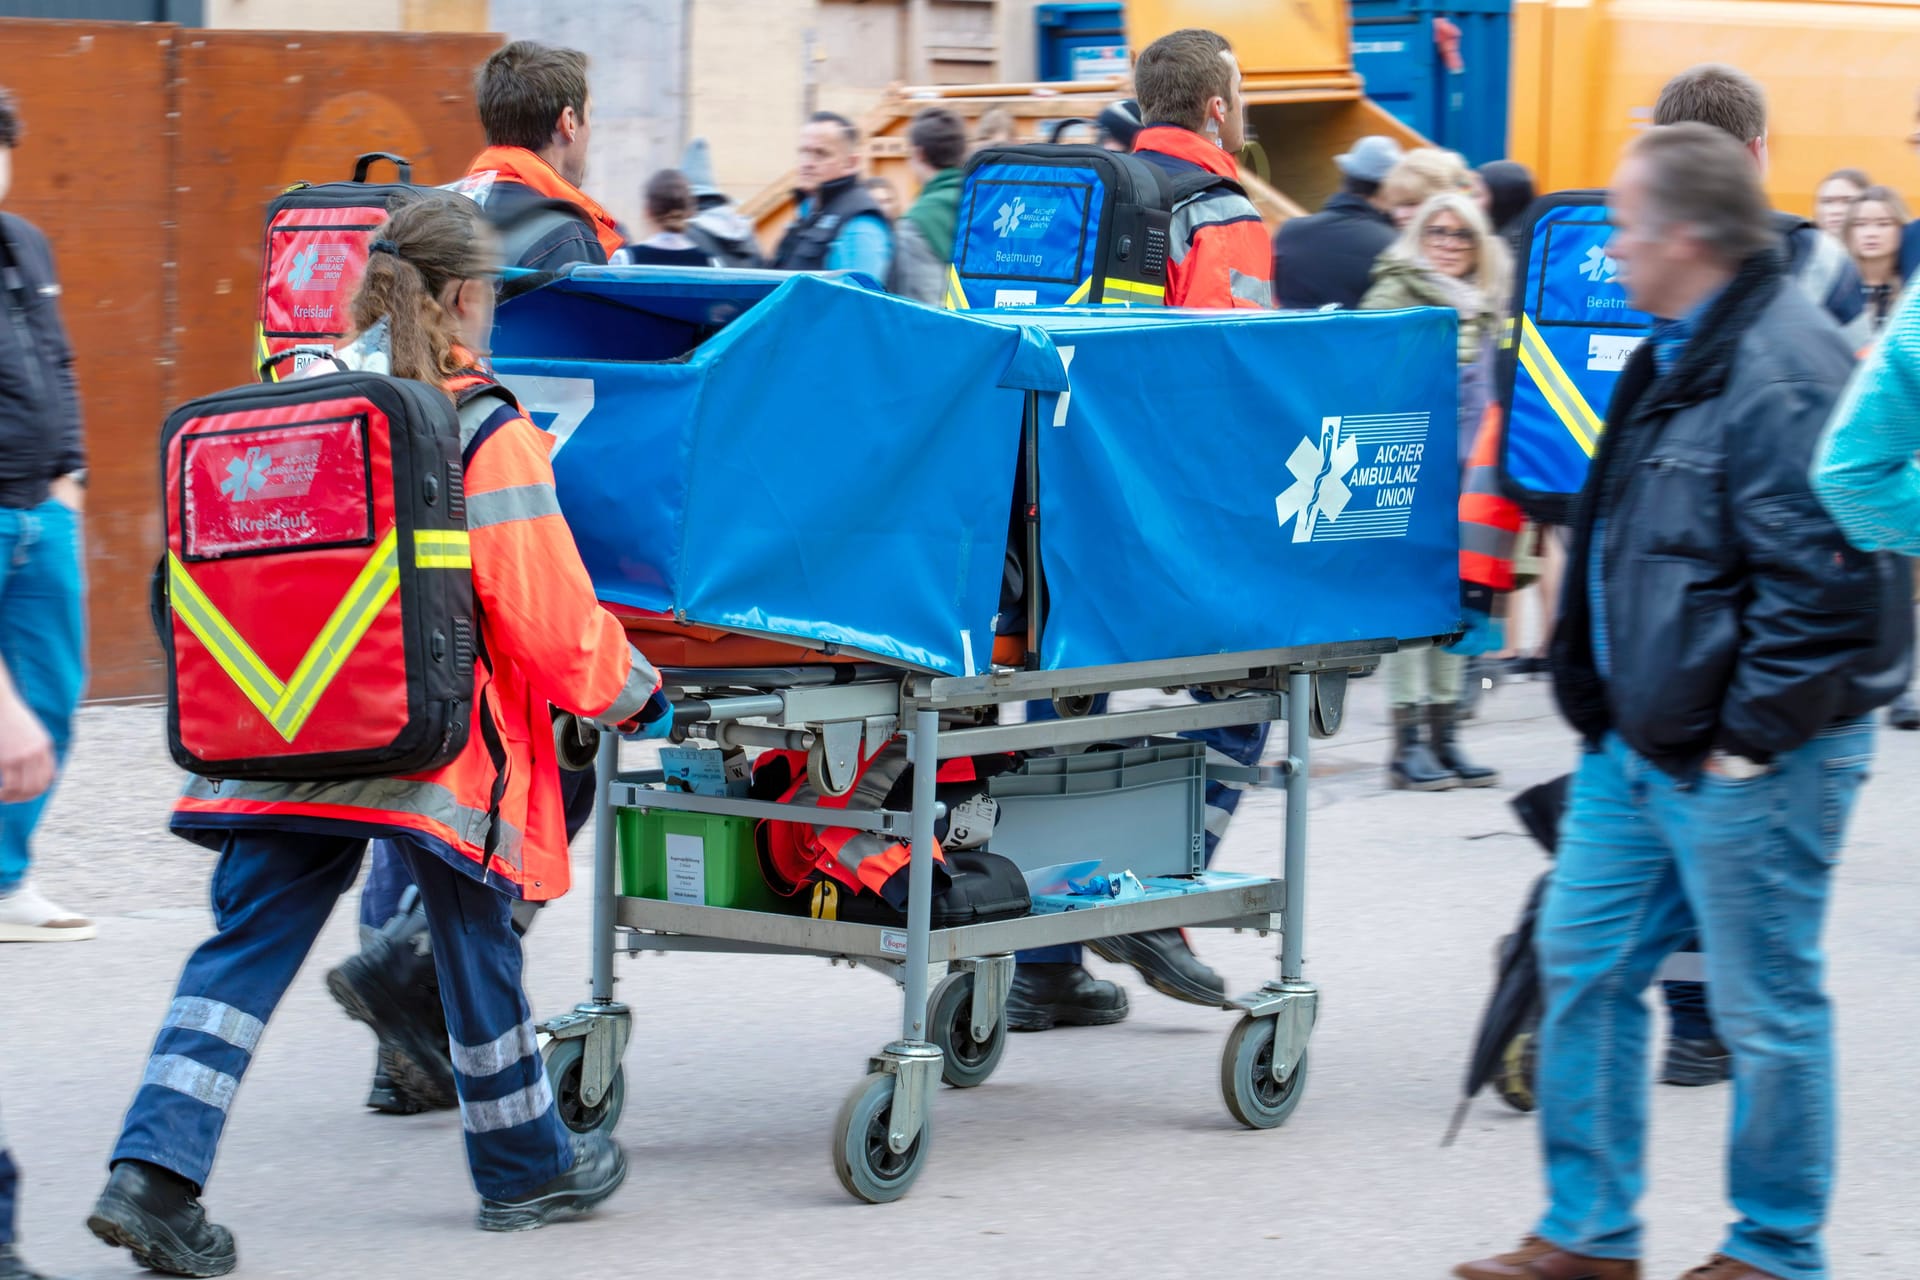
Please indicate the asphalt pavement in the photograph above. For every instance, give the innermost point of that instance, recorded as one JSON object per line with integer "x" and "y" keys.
{"x": 1092, "y": 1152}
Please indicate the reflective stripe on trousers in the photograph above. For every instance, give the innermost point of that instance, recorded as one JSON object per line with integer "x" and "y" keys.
{"x": 272, "y": 894}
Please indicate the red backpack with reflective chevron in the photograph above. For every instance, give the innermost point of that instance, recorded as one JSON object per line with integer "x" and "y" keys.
{"x": 315, "y": 600}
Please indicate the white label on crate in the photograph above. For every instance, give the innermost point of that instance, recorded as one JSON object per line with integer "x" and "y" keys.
{"x": 893, "y": 942}
{"x": 1015, "y": 297}
{"x": 687, "y": 870}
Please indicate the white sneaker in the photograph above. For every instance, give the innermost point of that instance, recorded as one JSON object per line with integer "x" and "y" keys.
{"x": 26, "y": 916}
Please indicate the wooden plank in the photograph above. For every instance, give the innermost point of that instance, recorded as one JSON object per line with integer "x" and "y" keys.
{"x": 92, "y": 173}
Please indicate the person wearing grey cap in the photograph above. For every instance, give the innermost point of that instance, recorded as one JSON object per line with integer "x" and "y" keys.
{"x": 1326, "y": 260}
{"x": 717, "y": 226}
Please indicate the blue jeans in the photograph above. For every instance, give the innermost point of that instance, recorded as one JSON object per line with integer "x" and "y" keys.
{"x": 43, "y": 641}
{"x": 1642, "y": 857}
{"x": 9, "y": 1190}
{"x": 272, "y": 893}
{"x": 1242, "y": 744}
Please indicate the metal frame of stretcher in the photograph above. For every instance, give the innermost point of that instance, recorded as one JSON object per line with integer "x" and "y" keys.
{"x": 958, "y": 1032}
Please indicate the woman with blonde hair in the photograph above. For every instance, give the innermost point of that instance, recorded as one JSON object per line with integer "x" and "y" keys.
{"x": 1447, "y": 256}
{"x": 1420, "y": 175}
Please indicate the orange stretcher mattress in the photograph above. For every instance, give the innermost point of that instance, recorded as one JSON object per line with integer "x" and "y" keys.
{"x": 667, "y": 643}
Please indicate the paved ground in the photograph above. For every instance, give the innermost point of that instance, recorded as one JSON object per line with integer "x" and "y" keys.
{"x": 1091, "y": 1153}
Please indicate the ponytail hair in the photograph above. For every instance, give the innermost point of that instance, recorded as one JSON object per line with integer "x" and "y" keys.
{"x": 429, "y": 241}
{"x": 670, "y": 200}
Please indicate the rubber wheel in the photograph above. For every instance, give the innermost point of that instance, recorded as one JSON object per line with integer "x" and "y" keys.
{"x": 566, "y": 1060}
{"x": 817, "y": 775}
{"x": 863, "y": 1162}
{"x": 1073, "y": 706}
{"x": 1246, "y": 1077}
{"x": 967, "y": 1061}
{"x": 1514, "y": 1080}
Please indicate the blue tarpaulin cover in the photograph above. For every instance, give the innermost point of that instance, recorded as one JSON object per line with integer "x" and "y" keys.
{"x": 1220, "y": 482}
{"x": 808, "y": 459}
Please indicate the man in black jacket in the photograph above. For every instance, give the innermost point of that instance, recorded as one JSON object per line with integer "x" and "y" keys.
{"x": 42, "y": 481}
{"x": 1327, "y": 259}
{"x": 1721, "y": 649}
{"x": 837, "y": 225}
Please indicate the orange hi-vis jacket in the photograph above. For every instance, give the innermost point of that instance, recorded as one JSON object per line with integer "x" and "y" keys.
{"x": 1489, "y": 520}
{"x": 1219, "y": 255}
{"x": 496, "y": 810}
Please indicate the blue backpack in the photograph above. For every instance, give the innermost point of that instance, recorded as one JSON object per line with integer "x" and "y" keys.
{"x": 1044, "y": 225}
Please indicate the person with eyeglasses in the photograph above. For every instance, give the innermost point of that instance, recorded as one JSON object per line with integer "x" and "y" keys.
{"x": 1834, "y": 196}
{"x": 1447, "y": 256}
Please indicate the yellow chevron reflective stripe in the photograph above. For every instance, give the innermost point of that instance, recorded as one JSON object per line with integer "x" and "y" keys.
{"x": 235, "y": 656}
{"x": 956, "y": 292}
{"x": 379, "y": 578}
{"x": 266, "y": 353}
{"x": 1081, "y": 294}
{"x": 287, "y": 706}
{"x": 1562, "y": 396}
{"x": 442, "y": 549}
{"x": 1132, "y": 290}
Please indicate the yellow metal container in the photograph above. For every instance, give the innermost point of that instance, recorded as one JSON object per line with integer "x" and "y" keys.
{"x": 1840, "y": 78}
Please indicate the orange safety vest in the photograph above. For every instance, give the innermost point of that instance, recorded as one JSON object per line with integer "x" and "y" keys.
{"x": 860, "y": 860}
{"x": 496, "y": 810}
{"x": 1220, "y": 255}
{"x": 1489, "y": 520}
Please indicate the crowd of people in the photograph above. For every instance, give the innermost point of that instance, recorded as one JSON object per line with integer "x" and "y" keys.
{"x": 1729, "y": 627}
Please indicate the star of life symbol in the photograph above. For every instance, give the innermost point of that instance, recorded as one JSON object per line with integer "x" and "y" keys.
{"x": 1319, "y": 480}
{"x": 246, "y": 475}
{"x": 1598, "y": 267}
{"x": 303, "y": 265}
{"x": 1009, "y": 220}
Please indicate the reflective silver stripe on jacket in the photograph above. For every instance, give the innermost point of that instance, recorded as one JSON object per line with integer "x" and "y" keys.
{"x": 642, "y": 680}
{"x": 195, "y": 1079}
{"x": 869, "y": 793}
{"x": 391, "y": 795}
{"x": 1208, "y": 209}
{"x": 222, "y": 1021}
{"x": 1484, "y": 539}
{"x": 474, "y": 414}
{"x": 478, "y": 1061}
{"x": 515, "y": 502}
{"x": 516, "y": 1108}
{"x": 1250, "y": 288}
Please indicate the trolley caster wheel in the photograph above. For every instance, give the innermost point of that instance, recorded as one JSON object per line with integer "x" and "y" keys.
{"x": 565, "y": 1060}
{"x": 576, "y": 742}
{"x": 867, "y": 1167}
{"x": 1254, "y": 1097}
{"x": 966, "y": 1062}
{"x": 1073, "y": 706}
{"x": 1514, "y": 1080}
{"x": 820, "y": 778}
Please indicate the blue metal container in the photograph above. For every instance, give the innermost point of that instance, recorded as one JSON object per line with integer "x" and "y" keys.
{"x": 1081, "y": 41}
{"x": 1395, "y": 48}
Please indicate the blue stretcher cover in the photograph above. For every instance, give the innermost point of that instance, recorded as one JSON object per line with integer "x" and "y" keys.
{"x": 1219, "y": 482}
{"x": 835, "y": 466}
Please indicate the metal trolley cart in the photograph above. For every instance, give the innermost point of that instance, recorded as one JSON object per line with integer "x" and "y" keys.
{"x": 957, "y": 1031}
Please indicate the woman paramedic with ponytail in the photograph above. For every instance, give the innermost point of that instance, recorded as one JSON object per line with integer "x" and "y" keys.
{"x": 475, "y": 838}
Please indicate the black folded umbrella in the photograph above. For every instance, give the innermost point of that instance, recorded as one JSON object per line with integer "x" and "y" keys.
{"x": 1514, "y": 1006}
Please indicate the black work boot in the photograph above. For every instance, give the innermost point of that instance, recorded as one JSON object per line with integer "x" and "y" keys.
{"x": 14, "y": 1267}
{"x": 599, "y": 1167}
{"x": 1904, "y": 713}
{"x": 1691, "y": 1063}
{"x": 390, "y": 986}
{"x": 1046, "y": 995}
{"x": 1413, "y": 767}
{"x": 1167, "y": 962}
{"x": 386, "y": 1097}
{"x": 155, "y": 1214}
{"x": 1441, "y": 718}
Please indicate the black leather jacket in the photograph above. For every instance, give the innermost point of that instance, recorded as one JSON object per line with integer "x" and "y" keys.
{"x": 39, "y": 400}
{"x": 1738, "y": 616}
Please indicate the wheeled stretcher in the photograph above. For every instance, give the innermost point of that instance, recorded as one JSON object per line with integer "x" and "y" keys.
{"x": 807, "y": 513}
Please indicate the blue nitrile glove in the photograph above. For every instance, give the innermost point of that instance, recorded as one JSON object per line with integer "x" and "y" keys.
{"x": 1485, "y": 633}
{"x": 655, "y": 720}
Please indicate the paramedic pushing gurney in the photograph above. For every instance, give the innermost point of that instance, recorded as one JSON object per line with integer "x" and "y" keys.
{"x": 1189, "y": 87}
{"x": 287, "y": 850}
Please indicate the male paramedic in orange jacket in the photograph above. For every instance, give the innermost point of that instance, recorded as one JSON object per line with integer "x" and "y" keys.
{"x": 1189, "y": 88}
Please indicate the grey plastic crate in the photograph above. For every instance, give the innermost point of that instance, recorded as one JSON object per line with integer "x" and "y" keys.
{"x": 1139, "y": 809}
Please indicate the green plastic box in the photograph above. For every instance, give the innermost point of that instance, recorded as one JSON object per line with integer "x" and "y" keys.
{"x": 713, "y": 860}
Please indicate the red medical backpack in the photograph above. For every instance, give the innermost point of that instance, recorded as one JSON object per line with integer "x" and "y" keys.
{"x": 315, "y": 600}
{"x": 316, "y": 251}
